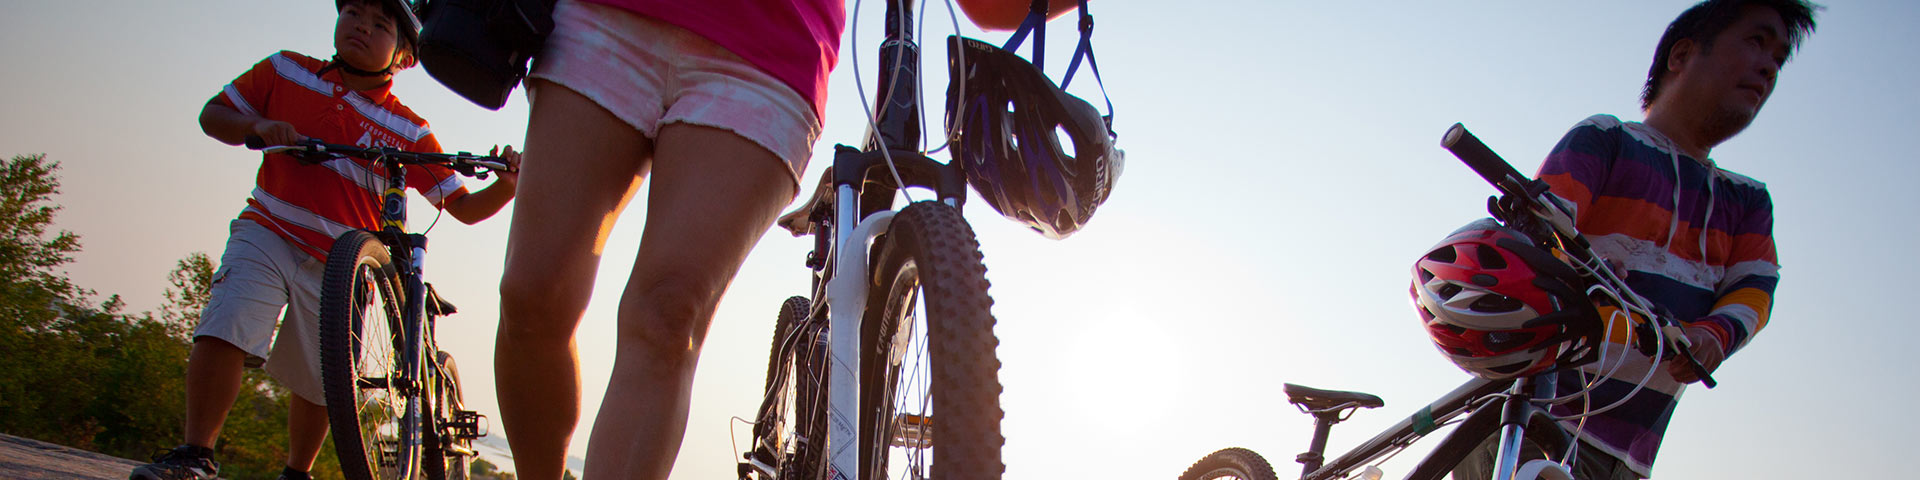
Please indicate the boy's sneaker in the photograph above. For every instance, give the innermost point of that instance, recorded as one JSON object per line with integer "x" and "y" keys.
{"x": 289, "y": 473}
{"x": 185, "y": 462}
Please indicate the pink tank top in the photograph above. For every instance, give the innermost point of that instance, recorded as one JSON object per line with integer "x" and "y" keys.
{"x": 796, "y": 41}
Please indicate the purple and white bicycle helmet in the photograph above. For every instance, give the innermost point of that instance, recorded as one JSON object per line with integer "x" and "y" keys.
{"x": 1005, "y": 122}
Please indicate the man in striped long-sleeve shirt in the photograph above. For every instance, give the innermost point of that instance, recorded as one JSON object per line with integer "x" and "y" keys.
{"x": 1693, "y": 238}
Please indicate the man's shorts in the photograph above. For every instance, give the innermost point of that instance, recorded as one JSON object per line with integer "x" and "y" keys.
{"x": 260, "y": 275}
{"x": 649, "y": 73}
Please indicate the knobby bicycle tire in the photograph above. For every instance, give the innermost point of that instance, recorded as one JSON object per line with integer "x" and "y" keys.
{"x": 928, "y": 265}
{"x": 790, "y": 430}
{"x": 1234, "y": 463}
{"x": 360, "y": 340}
{"x": 439, "y": 458}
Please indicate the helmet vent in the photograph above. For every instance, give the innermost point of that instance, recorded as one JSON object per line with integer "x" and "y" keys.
{"x": 1448, "y": 291}
{"x": 1502, "y": 341}
{"x": 1442, "y": 255}
{"x": 1066, "y": 147}
{"x": 1489, "y": 258}
{"x": 1495, "y": 304}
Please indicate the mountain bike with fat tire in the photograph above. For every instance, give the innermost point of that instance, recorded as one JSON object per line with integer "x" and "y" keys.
{"x": 1511, "y": 411}
{"x": 887, "y": 369}
{"x": 393, "y": 397}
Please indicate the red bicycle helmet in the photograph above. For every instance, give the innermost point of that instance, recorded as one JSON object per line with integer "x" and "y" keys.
{"x": 1499, "y": 306}
{"x": 1003, "y": 115}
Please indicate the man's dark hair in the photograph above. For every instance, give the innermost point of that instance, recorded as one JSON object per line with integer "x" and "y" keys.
{"x": 1706, "y": 20}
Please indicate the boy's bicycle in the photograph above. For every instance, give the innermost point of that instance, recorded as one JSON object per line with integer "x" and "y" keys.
{"x": 393, "y": 398}
{"x": 1508, "y": 409}
{"x": 888, "y": 370}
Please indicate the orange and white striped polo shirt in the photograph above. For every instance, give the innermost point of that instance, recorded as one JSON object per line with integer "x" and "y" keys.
{"x": 310, "y": 205}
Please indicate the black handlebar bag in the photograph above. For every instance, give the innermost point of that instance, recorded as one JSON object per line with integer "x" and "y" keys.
{"x": 480, "y": 48}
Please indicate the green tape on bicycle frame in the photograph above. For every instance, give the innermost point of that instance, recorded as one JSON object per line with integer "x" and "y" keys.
{"x": 1423, "y": 421}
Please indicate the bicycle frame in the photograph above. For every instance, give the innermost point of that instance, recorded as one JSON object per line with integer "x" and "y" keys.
{"x": 1511, "y": 414}
{"x": 409, "y": 251}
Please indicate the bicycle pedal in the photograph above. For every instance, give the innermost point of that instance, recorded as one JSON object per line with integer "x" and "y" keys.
{"x": 466, "y": 424}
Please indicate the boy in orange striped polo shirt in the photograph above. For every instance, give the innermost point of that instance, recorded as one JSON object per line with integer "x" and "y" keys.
{"x": 277, "y": 248}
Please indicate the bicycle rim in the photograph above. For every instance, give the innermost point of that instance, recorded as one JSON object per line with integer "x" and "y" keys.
{"x": 376, "y": 422}
{"x": 928, "y": 329}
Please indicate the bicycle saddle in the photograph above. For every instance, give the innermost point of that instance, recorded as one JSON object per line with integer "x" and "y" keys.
{"x": 1317, "y": 399}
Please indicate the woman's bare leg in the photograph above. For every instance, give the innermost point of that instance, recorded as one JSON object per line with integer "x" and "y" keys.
{"x": 582, "y": 165}
{"x": 714, "y": 195}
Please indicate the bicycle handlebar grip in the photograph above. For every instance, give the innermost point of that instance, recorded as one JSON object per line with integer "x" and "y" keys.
{"x": 254, "y": 142}
{"x": 1483, "y": 161}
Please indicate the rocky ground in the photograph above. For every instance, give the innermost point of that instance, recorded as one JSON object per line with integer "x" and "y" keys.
{"x": 28, "y": 459}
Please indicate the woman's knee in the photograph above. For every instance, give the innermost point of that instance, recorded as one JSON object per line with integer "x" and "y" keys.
{"x": 537, "y": 307}
{"x": 668, "y": 316}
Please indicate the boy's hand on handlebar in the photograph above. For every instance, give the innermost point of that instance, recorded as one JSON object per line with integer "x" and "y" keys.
{"x": 511, "y": 175}
{"x": 1706, "y": 350}
{"x": 277, "y": 133}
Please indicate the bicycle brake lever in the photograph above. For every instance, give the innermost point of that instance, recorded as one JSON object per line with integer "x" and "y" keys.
{"x": 1698, "y": 369}
{"x": 1684, "y": 346}
{"x": 1679, "y": 344}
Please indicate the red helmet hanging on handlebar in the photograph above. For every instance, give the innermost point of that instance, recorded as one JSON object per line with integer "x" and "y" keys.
{"x": 1499, "y": 306}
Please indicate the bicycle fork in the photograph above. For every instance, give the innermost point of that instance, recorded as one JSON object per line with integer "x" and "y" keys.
{"x": 846, "y": 296}
{"x": 1517, "y": 413}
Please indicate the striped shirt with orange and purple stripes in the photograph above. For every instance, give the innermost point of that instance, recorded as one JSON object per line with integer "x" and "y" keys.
{"x": 1694, "y": 238}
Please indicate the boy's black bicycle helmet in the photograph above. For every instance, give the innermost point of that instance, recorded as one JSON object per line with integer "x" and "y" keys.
{"x": 1003, "y": 114}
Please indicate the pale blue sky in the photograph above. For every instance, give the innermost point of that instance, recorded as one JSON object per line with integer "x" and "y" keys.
{"x": 1283, "y": 171}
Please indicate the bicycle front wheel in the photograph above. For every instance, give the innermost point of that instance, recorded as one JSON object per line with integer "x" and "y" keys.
{"x": 375, "y": 417}
{"x": 1231, "y": 463}
{"x": 928, "y": 330}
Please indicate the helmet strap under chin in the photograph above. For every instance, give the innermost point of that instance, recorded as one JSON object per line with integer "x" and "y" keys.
{"x": 349, "y": 68}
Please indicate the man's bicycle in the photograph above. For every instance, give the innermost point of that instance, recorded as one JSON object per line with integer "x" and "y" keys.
{"x": 1512, "y": 410}
{"x": 887, "y": 369}
{"x": 393, "y": 397}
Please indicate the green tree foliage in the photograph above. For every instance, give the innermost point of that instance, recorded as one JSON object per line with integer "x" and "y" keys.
{"x": 29, "y": 286}
{"x": 189, "y": 288}
{"x": 481, "y": 469}
{"x": 38, "y": 387}
{"x": 87, "y": 375}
